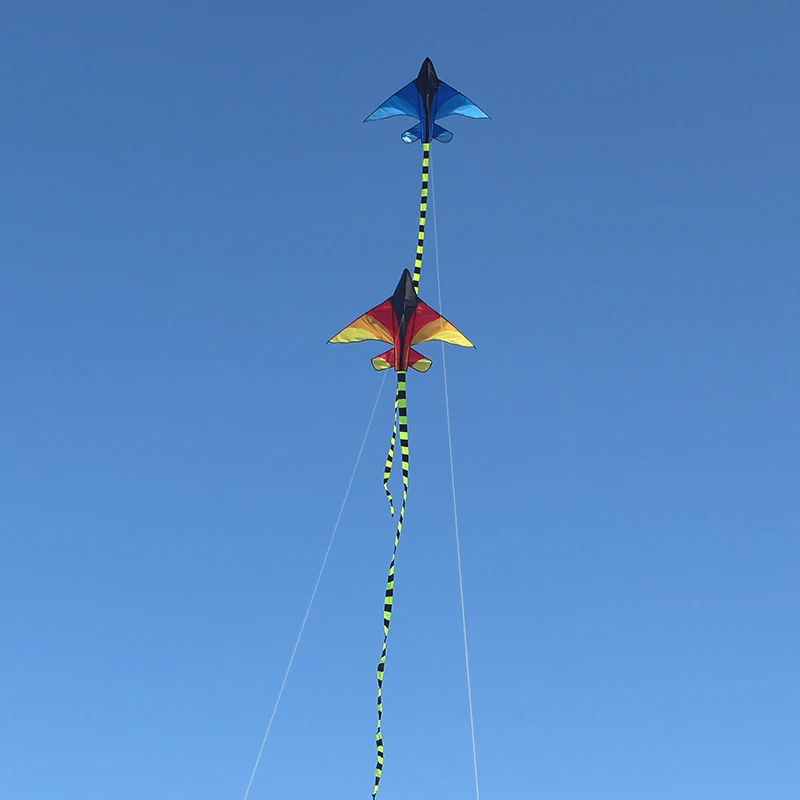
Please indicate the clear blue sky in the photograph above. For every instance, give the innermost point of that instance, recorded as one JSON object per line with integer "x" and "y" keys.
{"x": 191, "y": 207}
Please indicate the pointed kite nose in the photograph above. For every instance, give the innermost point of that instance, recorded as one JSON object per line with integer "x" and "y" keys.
{"x": 427, "y": 70}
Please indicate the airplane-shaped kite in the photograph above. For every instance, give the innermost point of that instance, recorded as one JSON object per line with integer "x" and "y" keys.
{"x": 402, "y": 321}
{"x": 427, "y": 99}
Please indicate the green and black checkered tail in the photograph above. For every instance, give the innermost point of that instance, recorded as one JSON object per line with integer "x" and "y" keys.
{"x": 401, "y": 424}
{"x": 423, "y": 214}
{"x": 415, "y": 279}
{"x": 387, "y": 470}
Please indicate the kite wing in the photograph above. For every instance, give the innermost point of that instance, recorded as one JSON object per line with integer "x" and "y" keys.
{"x": 430, "y": 326}
{"x": 407, "y": 102}
{"x": 450, "y": 101}
{"x": 376, "y": 325}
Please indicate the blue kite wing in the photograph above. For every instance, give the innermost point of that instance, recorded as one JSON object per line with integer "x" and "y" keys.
{"x": 450, "y": 101}
{"x": 407, "y": 102}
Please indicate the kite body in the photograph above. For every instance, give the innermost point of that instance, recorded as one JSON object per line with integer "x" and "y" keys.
{"x": 427, "y": 98}
{"x": 402, "y": 321}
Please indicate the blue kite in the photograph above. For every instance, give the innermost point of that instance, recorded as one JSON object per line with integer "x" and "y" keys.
{"x": 427, "y": 99}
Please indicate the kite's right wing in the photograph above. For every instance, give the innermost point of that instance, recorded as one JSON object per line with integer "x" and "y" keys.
{"x": 430, "y": 326}
{"x": 450, "y": 101}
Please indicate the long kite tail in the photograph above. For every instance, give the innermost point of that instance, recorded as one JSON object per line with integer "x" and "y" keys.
{"x": 402, "y": 426}
{"x": 423, "y": 213}
{"x": 387, "y": 470}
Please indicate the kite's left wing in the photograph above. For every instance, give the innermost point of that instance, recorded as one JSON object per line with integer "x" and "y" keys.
{"x": 377, "y": 325}
{"x": 407, "y": 102}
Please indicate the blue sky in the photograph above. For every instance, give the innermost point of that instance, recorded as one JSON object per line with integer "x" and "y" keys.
{"x": 192, "y": 207}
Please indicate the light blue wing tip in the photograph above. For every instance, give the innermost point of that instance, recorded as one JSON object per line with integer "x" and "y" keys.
{"x": 381, "y": 113}
{"x": 473, "y": 112}
{"x": 461, "y": 105}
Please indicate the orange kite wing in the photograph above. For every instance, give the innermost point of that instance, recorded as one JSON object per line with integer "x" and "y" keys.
{"x": 368, "y": 327}
{"x": 430, "y": 326}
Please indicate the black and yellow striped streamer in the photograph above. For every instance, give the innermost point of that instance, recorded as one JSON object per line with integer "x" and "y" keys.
{"x": 401, "y": 423}
{"x": 387, "y": 470}
{"x": 400, "y": 427}
{"x": 423, "y": 213}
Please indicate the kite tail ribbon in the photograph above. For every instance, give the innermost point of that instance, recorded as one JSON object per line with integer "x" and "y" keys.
{"x": 402, "y": 427}
{"x": 423, "y": 213}
{"x": 387, "y": 470}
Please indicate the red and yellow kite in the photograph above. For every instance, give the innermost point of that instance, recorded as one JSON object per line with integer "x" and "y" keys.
{"x": 402, "y": 321}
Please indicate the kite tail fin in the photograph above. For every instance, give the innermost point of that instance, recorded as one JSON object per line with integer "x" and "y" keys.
{"x": 418, "y": 361}
{"x": 384, "y": 360}
{"x": 413, "y": 134}
{"x": 423, "y": 214}
{"x": 388, "y": 360}
{"x": 402, "y": 425}
{"x": 441, "y": 134}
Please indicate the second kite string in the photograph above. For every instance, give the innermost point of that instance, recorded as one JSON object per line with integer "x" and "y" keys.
{"x": 455, "y": 504}
{"x": 314, "y": 591}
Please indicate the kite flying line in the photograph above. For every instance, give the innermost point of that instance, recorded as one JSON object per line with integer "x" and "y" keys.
{"x": 314, "y": 591}
{"x": 455, "y": 504}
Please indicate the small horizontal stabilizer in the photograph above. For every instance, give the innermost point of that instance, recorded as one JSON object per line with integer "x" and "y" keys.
{"x": 388, "y": 360}
{"x": 441, "y": 134}
{"x": 418, "y": 361}
{"x": 412, "y": 134}
{"x": 383, "y": 361}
